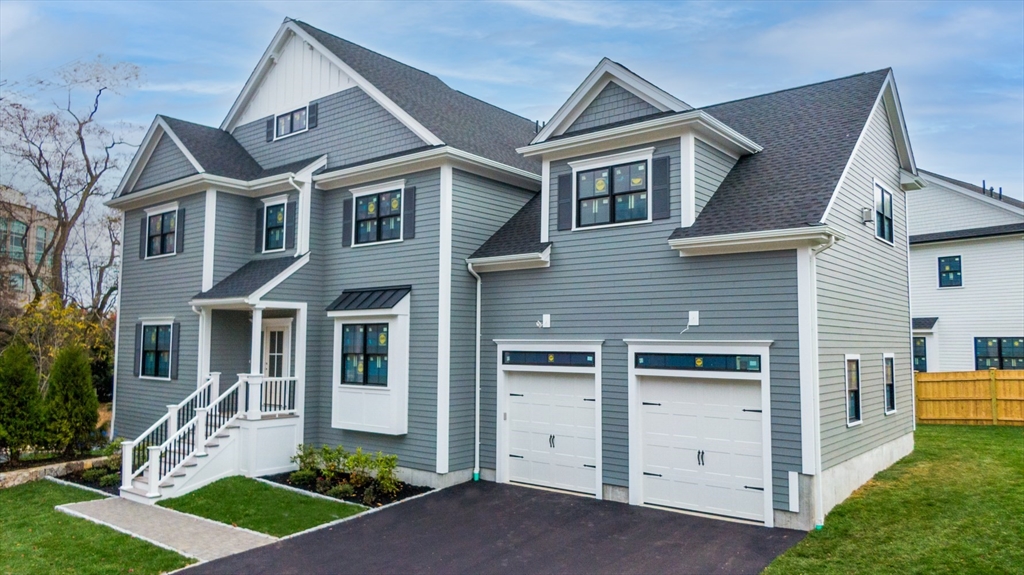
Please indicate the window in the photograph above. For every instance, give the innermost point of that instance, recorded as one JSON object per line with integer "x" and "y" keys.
{"x": 612, "y": 195}
{"x": 706, "y": 362}
{"x": 291, "y": 122}
{"x": 889, "y": 373}
{"x": 3, "y": 236}
{"x": 561, "y": 358}
{"x": 156, "y": 351}
{"x": 852, "y": 390}
{"x": 920, "y": 354}
{"x": 17, "y": 282}
{"x": 999, "y": 352}
{"x": 379, "y": 217}
{"x": 365, "y": 354}
{"x": 883, "y": 214}
{"x": 273, "y": 225}
{"x": 18, "y": 232}
{"x": 40, "y": 243}
{"x": 161, "y": 234}
{"x": 949, "y": 272}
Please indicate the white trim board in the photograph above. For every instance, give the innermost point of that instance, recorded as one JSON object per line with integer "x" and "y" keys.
{"x": 444, "y": 321}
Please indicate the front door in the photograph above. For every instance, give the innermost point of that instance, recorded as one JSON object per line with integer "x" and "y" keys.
{"x": 276, "y": 346}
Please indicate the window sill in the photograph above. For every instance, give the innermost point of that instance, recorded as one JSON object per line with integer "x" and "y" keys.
{"x": 161, "y": 256}
{"x": 616, "y": 225}
{"x": 154, "y": 378}
{"x": 277, "y": 251}
{"x": 891, "y": 244}
{"x": 399, "y": 240}
{"x": 950, "y": 287}
{"x": 290, "y": 134}
{"x": 854, "y": 423}
{"x": 893, "y": 412}
{"x": 361, "y": 387}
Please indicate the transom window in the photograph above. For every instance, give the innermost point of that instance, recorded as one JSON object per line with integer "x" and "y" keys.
{"x": 161, "y": 234}
{"x": 612, "y": 195}
{"x": 291, "y": 122}
{"x": 950, "y": 273}
{"x": 273, "y": 224}
{"x": 156, "y": 351}
{"x": 883, "y": 214}
{"x": 889, "y": 373}
{"x": 379, "y": 217}
{"x": 920, "y": 354}
{"x": 999, "y": 352}
{"x": 852, "y": 390}
{"x": 364, "y": 348}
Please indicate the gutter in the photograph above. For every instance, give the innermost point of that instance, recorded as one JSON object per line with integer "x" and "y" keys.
{"x": 476, "y": 411}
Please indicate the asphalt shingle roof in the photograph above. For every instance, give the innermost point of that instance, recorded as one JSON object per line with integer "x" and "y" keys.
{"x": 247, "y": 279}
{"x": 989, "y": 231}
{"x": 808, "y": 134}
{"x": 217, "y": 151}
{"x": 459, "y": 120}
{"x": 519, "y": 235}
{"x": 924, "y": 322}
{"x": 369, "y": 298}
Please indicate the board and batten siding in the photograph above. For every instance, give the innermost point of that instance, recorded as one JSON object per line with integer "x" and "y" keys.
{"x": 710, "y": 167}
{"x": 864, "y": 304}
{"x": 351, "y": 127}
{"x": 411, "y": 262}
{"x": 989, "y": 304}
{"x": 625, "y": 282}
{"x": 157, "y": 288}
{"x": 936, "y": 208}
{"x": 166, "y": 164}
{"x": 613, "y": 104}
{"x": 479, "y": 207}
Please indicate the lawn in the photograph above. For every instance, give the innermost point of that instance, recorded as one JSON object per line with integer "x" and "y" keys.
{"x": 955, "y": 505}
{"x": 255, "y": 505}
{"x": 36, "y": 538}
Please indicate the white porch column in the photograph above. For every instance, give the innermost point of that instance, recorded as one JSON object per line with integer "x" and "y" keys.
{"x": 255, "y": 384}
{"x": 255, "y": 357}
{"x": 214, "y": 386}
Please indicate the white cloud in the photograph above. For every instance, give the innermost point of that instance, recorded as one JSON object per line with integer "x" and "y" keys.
{"x": 193, "y": 87}
{"x": 15, "y": 16}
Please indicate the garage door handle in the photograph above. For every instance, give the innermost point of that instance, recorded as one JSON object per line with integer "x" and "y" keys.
{"x": 754, "y": 488}
{"x": 652, "y": 474}
{"x": 588, "y": 399}
{"x": 590, "y": 466}
{"x": 752, "y": 410}
{"x": 516, "y": 394}
{"x": 649, "y": 403}
{"x": 516, "y": 456}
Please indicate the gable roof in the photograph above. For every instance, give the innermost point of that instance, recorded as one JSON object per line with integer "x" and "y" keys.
{"x": 808, "y": 135}
{"x": 519, "y": 235}
{"x": 976, "y": 189}
{"x": 985, "y": 232}
{"x": 217, "y": 151}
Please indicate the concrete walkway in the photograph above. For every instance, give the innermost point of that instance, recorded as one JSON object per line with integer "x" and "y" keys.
{"x": 189, "y": 535}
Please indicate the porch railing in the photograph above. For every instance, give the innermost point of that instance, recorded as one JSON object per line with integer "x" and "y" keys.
{"x": 277, "y": 395}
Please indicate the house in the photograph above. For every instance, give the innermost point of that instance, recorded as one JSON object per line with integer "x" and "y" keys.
{"x": 643, "y": 301}
{"x": 966, "y": 276}
{"x": 24, "y": 233}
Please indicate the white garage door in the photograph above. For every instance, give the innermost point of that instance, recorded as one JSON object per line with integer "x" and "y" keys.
{"x": 551, "y": 430}
{"x": 702, "y": 445}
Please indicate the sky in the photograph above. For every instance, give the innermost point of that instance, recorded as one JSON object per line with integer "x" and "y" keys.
{"x": 959, "y": 67}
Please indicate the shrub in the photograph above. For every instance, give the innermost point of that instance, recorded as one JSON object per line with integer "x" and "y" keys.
{"x": 112, "y": 451}
{"x": 307, "y": 457}
{"x": 359, "y": 465}
{"x": 95, "y": 474}
{"x": 342, "y": 490}
{"x": 110, "y": 480}
{"x": 20, "y": 404}
{"x": 303, "y": 478}
{"x": 323, "y": 485}
{"x": 384, "y": 468}
{"x": 71, "y": 405}
{"x": 333, "y": 462}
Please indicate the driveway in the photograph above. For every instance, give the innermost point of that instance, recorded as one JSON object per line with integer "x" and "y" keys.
{"x": 490, "y": 528}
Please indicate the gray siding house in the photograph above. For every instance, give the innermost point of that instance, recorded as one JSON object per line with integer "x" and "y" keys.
{"x": 703, "y": 309}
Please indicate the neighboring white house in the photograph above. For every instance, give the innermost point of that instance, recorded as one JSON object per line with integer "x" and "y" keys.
{"x": 966, "y": 276}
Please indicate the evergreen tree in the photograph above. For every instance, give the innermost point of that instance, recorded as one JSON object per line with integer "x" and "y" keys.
{"x": 71, "y": 404}
{"x": 20, "y": 404}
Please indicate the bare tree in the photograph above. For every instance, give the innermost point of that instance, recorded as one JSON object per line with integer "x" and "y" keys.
{"x": 67, "y": 154}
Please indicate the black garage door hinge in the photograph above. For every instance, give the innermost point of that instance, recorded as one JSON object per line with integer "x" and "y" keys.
{"x": 754, "y": 488}
{"x": 652, "y": 474}
{"x": 516, "y": 456}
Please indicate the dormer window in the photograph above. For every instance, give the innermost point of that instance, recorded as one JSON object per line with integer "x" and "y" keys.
{"x": 617, "y": 192}
{"x": 291, "y": 122}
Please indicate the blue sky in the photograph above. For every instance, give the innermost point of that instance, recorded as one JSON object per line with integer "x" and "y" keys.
{"x": 959, "y": 66}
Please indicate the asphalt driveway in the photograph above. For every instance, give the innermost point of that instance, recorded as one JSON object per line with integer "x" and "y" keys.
{"x": 490, "y": 528}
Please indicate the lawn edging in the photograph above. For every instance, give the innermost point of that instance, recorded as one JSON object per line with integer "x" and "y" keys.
{"x": 308, "y": 493}
{"x": 215, "y": 522}
{"x": 78, "y": 485}
{"x": 21, "y": 476}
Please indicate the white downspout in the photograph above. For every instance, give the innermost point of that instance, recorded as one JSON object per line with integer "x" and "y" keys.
{"x": 819, "y": 511}
{"x": 476, "y": 411}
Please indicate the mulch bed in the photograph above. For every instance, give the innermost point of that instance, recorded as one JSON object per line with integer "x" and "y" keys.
{"x": 76, "y": 477}
{"x": 406, "y": 491}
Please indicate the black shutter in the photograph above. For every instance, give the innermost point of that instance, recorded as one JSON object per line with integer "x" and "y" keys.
{"x": 270, "y": 130}
{"x": 138, "y": 349}
{"x": 564, "y": 202}
{"x": 409, "y": 215}
{"x": 259, "y": 230}
{"x": 311, "y": 116}
{"x": 175, "y": 337}
{"x": 289, "y": 217}
{"x": 346, "y": 223}
{"x": 179, "y": 231}
{"x": 661, "y": 194}
{"x": 143, "y": 238}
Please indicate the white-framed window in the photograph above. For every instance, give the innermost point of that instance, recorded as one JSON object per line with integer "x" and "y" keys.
{"x": 889, "y": 382}
{"x": 853, "y": 385}
{"x": 883, "y": 214}
{"x": 290, "y": 123}
{"x": 370, "y": 390}
{"x": 275, "y": 224}
{"x": 156, "y": 349}
{"x": 377, "y": 213}
{"x": 161, "y": 231}
{"x": 612, "y": 190}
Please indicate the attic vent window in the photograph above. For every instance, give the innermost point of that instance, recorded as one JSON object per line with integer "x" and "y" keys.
{"x": 294, "y": 122}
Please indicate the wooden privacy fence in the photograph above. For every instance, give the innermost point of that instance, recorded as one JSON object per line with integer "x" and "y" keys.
{"x": 993, "y": 397}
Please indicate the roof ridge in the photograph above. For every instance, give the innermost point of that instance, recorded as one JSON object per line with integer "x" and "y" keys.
{"x": 166, "y": 117}
{"x": 887, "y": 69}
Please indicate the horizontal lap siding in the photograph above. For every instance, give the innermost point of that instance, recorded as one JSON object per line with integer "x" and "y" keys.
{"x": 234, "y": 239}
{"x": 480, "y": 206}
{"x": 351, "y": 127}
{"x": 863, "y": 305}
{"x": 613, "y": 104}
{"x": 412, "y": 262}
{"x": 710, "y": 167}
{"x": 936, "y": 209}
{"x": 165, "y": 164}
{"x": 157, "y": 288}
{"x": 230, "y": 334}
{"x": 625, "y": 282}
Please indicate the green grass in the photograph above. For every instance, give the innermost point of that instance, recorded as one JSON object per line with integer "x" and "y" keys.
{"x": 255, "y": 505}
{"x": 36, "y": 538}
{"x": 955, "y": 505}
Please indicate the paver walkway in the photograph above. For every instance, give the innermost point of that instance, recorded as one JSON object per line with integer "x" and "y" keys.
{"x": 189, "y": 535}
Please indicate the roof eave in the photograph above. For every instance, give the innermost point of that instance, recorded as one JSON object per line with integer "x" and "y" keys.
{"x": 198, "y": 183}
{"x": 760, "y": 241}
